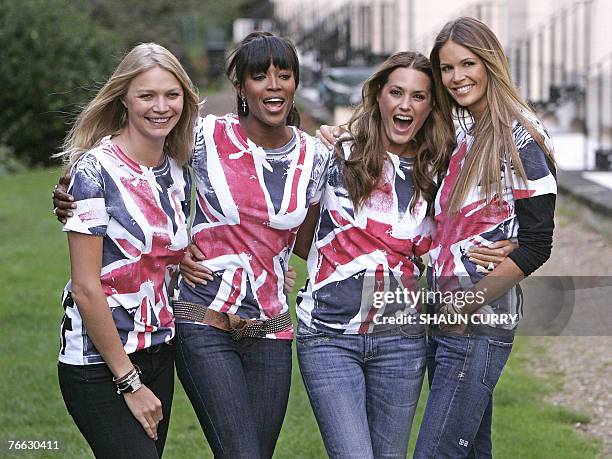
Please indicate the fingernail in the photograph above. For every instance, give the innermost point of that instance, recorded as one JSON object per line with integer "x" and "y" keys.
{"x": 471, "y": 259}
{"x": 70, "y": 214}
{"x": 330, "y": 148}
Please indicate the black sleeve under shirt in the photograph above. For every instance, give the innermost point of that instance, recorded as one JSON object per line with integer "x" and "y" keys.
{"x": 536, "y": 218}
{"x": 536, "y": 224}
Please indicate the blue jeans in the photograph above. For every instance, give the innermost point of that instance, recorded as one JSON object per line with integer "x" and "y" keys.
{"x": 462, "y": 373}
{"x": 363, "y": 389}
{"x": 102, "y": 415}
{"x": 238, "y": 389}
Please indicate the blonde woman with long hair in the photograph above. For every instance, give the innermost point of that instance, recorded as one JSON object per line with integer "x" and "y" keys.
{"x": 500, "y": 184}
{"x": 126, "y": 155}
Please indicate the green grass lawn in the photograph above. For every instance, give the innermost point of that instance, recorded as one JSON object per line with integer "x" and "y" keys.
{"x": 35, "y": 268}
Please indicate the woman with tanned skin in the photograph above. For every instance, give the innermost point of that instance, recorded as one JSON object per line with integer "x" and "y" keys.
{"x": 502, "y": 146}
{"x": 500, "y": 184}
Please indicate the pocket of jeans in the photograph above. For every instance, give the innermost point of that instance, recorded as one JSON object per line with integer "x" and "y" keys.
{"x": 411, "y": 332}
{"x": 98, "y": 373}
{"x": 310, "y": 335}
{"x": 497, "y": 356}
{"x": 186, "y": 332}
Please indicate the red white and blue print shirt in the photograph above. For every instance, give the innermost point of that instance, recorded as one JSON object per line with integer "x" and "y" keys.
{"x": 141, "y": 214}
{"x": 250, "y": 204}
{"x": 480, "y": 223}
{"x": 355, "y": 254}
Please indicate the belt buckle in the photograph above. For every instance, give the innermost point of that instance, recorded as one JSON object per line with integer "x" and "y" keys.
{"x": 239, "y": 330}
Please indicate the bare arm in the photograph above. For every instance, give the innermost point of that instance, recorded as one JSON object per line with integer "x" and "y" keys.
{"x": 306, "y": 232}
{"x": 505, "y": 276}
{"x": 85, "y": 264}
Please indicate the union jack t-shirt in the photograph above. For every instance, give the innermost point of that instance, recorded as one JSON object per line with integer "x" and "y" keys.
{"x": 480, "y": 223}
{"x": 250, "y": 204}
{"x": 141, "y": 214}
{"x": 355, "y": 254}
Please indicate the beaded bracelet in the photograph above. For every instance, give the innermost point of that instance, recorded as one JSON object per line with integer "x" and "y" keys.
{"x": 129, "y": 382}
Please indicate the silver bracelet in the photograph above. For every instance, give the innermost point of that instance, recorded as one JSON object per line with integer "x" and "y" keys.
{"x": 130, "y": 382}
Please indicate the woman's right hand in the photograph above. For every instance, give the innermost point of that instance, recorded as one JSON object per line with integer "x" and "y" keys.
{"x": 329, "y": 135}
{"x": 193, "y": 272}
{"x": 146, "y": 408}
{"x": 62, "y": 201}
{"x": 487, "y": 258}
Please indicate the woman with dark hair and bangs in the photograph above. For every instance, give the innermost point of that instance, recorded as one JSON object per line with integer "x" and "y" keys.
{"x": 256, "y": 176}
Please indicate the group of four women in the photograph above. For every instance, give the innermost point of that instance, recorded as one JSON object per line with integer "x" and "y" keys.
{"x": 405, "y": 183}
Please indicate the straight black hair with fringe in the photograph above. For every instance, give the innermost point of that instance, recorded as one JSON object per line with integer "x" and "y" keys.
{"x": 254, "y": 55}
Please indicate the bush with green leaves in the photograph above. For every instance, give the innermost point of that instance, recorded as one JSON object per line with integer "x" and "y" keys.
{"x": 51, "y": 57}
{"x": 8, "y": 163}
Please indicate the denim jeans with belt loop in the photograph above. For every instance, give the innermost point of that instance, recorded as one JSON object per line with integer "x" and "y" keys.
{"x": 363, "y": 389}
{"x": 238, "y": 389}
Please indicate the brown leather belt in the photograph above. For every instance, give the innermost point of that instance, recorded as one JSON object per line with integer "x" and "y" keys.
{"x": 235, "y": 325}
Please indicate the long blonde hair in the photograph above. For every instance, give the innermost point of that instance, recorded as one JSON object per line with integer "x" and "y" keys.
{"x": 493, "y": 143}
{"x": 363, "y": 169}
{"x": 106, "y": 115}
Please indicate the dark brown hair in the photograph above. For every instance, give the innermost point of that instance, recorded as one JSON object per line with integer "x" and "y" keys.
{"x": 363, "y": 169}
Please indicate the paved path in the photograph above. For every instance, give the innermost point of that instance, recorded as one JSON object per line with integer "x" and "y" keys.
{"x": 583, "y": 362}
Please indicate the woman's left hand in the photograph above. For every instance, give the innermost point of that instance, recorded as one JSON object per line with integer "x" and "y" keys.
{"x": 487, "y": 258}
{"x": 450, "y": 314}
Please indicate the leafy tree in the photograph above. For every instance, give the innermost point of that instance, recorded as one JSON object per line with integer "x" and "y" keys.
{"x": 49, "y": 52}
{"x": 183, "y": 26}
{"x": 54, "y": 51}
